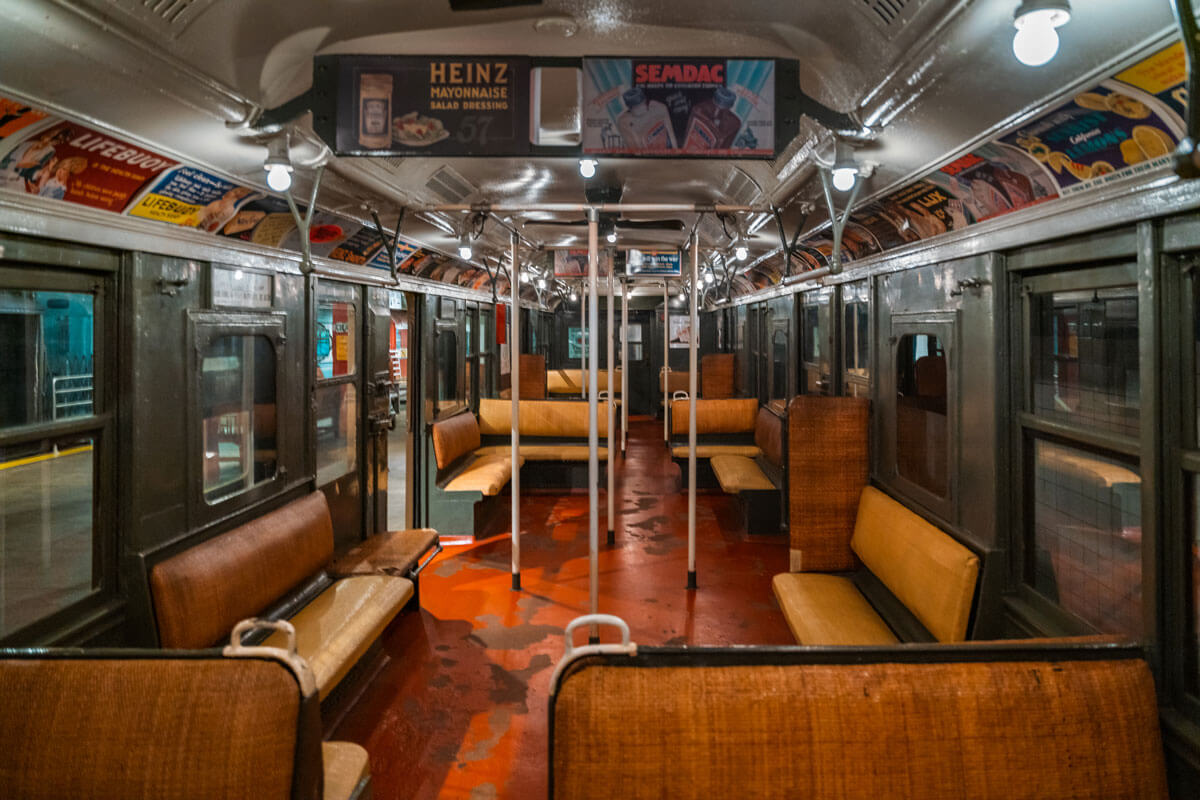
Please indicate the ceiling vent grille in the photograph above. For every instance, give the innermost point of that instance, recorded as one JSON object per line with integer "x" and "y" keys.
{"x": 169, "y": 17}
{"x": 450, "y": 186}
{"x": 893, "y": 16}
{"x": 886, "y": 11}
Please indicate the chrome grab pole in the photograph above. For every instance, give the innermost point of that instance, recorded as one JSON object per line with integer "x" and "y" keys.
{"x": 624, "y": 364}
{"x": 612, "y": 410}
{"x": 593, "y": 427}
{"x": 583, "y": 351}
{"x": 666, "y": 370}
{"x": 514, "y": 369}
{"x": 693, "y": 336}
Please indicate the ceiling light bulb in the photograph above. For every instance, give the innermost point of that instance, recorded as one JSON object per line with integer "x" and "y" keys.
{"x": 844, "y": 177}
{"x": 741, "y": 252}
{"x": 1036, "y": 40}
{"x": 541, "y": 283}
{"x": 708, "y": 277}
{"x": 574, "y": 296}
{"x": 612, "y": 237}
{"x": 464, "y": 246}
{"x": 587, "y": 167}
{"x": 279, "y": 177}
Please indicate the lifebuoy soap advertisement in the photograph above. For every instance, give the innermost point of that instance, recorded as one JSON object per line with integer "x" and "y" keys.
{"x": 431, "y": 106}
{"x": 679, "y": 107}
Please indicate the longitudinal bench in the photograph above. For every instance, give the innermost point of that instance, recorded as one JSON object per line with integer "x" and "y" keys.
{"x": 921, "y": 578}
{"x": 167, "y": 725}
{"x": 276, "y": 567}
{"x": 919, "y": 722}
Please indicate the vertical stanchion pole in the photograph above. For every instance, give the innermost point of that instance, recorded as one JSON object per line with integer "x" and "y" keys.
{"x": 612, "y": 412}
{"x": 666, "y": 371}
{"x": 583, "y": 351}
{"x": 624, "y": 364}
{"x": 593, "y": 428}
{"x": 693, "y": 336}
{"x": 514, "y": 369}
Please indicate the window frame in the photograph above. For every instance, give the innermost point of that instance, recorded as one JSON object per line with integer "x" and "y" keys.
{"x": 944, "y": 325}
{"x": 203, "y": 328}
{"x": 1027, "y": 428}
{"x": 18, "y": 274}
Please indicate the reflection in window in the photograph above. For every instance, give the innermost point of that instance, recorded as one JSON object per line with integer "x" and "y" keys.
{"x": 1087, "y": 539}
{"x": 336, "y": 340}
{"x": 46, "y": 536}
{"x": 810, "y": 333}
{"x": 1085, "y": 358}
{"x": 237, "y": 406}
{"x": 779, "y": 359}
{"x": 337, "y": 431}
{"x": 447, "y": 371}
{"x": 921, "y": 421}
{"x": 46, "y": 356}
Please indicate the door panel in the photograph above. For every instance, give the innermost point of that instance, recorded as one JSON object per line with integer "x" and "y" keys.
{"x": 379, "y": 414}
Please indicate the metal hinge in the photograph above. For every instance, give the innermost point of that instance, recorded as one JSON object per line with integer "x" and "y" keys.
{"x": 973, "y": 285}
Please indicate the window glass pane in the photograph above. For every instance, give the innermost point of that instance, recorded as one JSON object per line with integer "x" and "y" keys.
{"x": 46, "y": 349}
{"x": 46, "y": 539}
{"x": 337, "y": 431}
{"x": 1087, "y": 519}
{"x": 810, "y": 333}
{"x": 237, "y": 405}
{"x": 470, "y": 338}
{"x": 485, "y": 328}
{"x": 856, "y": 341}
{"x": 779, "y": 347}
{"x": 447, "y": 370}
{"x": 921, "y": 422}
{"x": 1085, "y": 358}
{"x": 337, "y": 352}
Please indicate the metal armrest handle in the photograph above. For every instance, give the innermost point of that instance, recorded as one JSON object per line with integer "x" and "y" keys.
{"x": 289, "y": 657}
{"x": 571, "y": 652}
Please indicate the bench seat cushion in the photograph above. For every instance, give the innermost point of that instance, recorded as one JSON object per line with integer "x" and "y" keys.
{"x": 487, "y": 475}
{"x": 544, "y": 452}
{"x": 346, "y": 766}
{"x": 729, "y": 415}
{"x": 828, "y": 610}
{"x": 390, "y": 553}
{"x": 710, "y": 450}
{"x": 454, "y": 437}
{"x": 924, "y": 567}
{"x": 739, "y": 474}
{"x": 341, "y": 623}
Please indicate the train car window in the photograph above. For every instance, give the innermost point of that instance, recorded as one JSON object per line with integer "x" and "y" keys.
{"x": 449, "y": 396}
{"x": 1192, "y": 578}
{"x": 815, "y": 358}
{"x": 779, "y": 364}
{"x": 856, "y": 340}
{"x": 922, "y": 426}
{"x": 486, "y": 351}
{"x": 46, "y": 355}
{"x": 49, "y": 478}
{"x": 337, "y": 350}
{"x": 237, "y": 409}
{"x": 337, "y": 431}
{"x": 1085, "y": 358}
{"x": 1080, "y": 448}
{"x": 1087, "y": 536}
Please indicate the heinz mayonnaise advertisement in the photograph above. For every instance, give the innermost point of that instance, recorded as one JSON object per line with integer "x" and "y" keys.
{"x": 672, "y": 107}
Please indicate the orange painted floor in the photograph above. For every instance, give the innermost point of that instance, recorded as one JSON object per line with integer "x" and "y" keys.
{"x": 459, "y": 709}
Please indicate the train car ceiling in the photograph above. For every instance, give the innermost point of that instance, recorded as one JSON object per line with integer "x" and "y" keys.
{"x": 930, "y": 81}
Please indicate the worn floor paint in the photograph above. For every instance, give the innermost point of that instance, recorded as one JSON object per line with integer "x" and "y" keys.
{"x": 459, "y": 710}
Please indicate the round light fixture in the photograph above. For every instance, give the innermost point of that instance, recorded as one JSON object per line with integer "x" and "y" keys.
{"x": 587, "y": 167}
{"x": 279, "y": 177}
{"x": 741, "y": 252}
{"x": 612, "y": 236}
{"x": 574, "y": 296}
{"x": 541, "y": 283}
{"x": 844, "y": 178}
{"x": 1036, "y": 40}
{"x": 464, "y": 246}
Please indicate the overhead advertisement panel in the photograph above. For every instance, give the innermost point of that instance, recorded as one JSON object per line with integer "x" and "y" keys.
{"x": 675, "y": 107}
{"x": 640, "y": 263}
{"x": 425, "y": 105}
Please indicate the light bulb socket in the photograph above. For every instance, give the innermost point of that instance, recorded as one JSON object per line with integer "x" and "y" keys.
{"x": 1056, "y": 12}
{"x": 587, "y": 167}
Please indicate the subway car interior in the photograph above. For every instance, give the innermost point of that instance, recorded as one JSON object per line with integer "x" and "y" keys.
{"x": 599, "y": 399}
